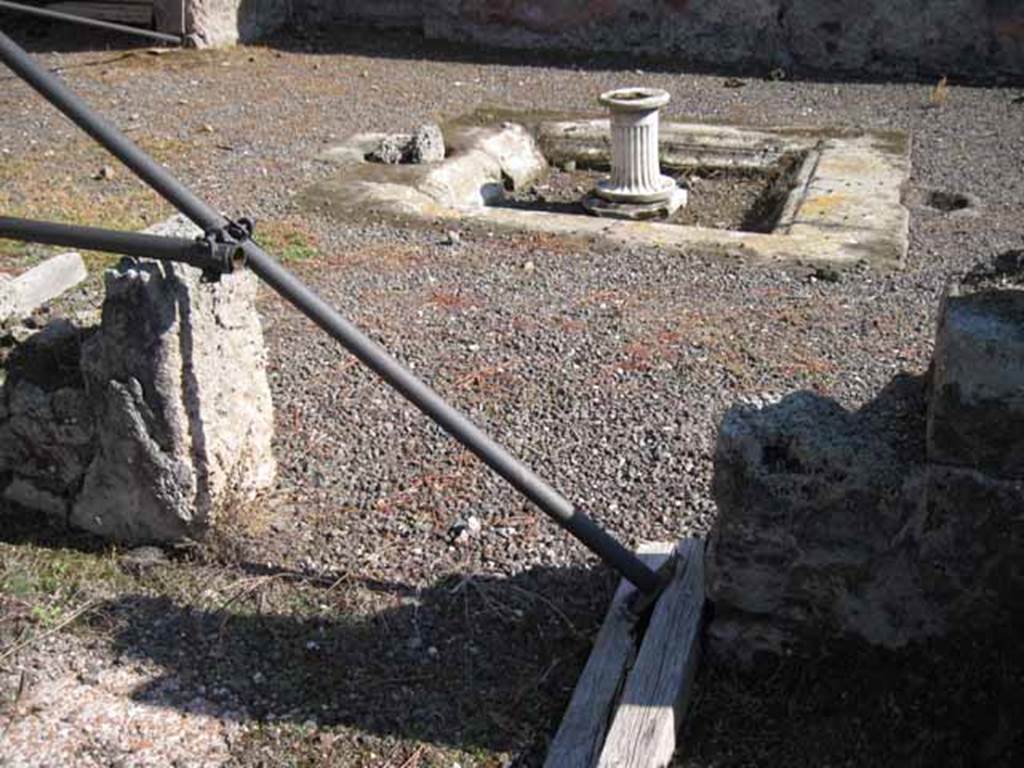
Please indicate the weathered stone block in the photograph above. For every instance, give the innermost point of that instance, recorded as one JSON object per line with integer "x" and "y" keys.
{"x": 216, "y": 23}
{"x": 427, "y": 144}
{"x": 183, "y": 420}
{"x": 813, "y": 502}
{"x": 422, "y": 146}
{"x": 976, "y": 409}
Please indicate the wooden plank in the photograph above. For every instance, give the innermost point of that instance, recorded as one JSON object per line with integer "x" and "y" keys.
{"x": 49, "y": 3}
{"x": 123, "y": 13}
{"x": 657, "y": 691}
{"x": 579, "y": 738}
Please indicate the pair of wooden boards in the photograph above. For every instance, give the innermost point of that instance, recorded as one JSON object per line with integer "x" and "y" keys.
{"x": 630, "y": 700}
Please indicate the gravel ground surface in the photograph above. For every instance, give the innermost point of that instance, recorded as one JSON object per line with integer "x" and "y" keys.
{"x": 392, "y": 603}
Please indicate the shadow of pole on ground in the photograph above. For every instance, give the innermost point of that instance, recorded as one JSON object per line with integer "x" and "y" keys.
{"x": 472, "y": 661}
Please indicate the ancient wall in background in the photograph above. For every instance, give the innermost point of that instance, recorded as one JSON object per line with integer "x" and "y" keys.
{"x": 880, "y": 37}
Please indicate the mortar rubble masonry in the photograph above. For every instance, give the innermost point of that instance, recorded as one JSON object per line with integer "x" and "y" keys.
{"x": 892, "y": 524}
{"x": 156, "y": 420}
{"x": 927, "y": 37}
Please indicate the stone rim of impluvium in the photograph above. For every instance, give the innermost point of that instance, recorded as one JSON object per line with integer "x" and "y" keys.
{"x": 635, "y": 99}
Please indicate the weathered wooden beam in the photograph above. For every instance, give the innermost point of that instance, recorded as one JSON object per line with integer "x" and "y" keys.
{"x": 128, "y": 13}
{"x": 657, "y": 691}
{"x": 581, "y": 734}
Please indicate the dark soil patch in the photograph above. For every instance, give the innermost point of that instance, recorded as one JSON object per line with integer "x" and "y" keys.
{"x": 720, "y": 198}
{"x": 947, "y": 202}
{"x": 954, "y": 702}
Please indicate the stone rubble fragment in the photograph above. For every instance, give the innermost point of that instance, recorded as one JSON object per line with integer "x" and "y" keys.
{"x": 424, "y": 145}
{"x": 391, "y": 150}
{"x": 976, "y": 411}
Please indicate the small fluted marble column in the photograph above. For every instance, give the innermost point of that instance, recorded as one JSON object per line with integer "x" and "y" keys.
{"x": 637, "y": 188}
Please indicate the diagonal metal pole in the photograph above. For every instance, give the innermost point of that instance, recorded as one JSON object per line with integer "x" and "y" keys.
{"x": 365, "y": 349}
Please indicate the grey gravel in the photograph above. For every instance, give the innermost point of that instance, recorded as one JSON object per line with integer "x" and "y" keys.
{"x": 605, "y": 369}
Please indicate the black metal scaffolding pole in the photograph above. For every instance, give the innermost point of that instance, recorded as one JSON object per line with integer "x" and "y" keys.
{"x": 36, "y": 11}
{"x": 204, "y": 254}
{"x": 366, "y": 350}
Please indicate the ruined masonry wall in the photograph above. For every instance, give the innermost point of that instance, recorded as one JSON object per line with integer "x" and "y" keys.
{"x": 145, "y": 427}
{"x": 894, "y": 523}
{"x": 882, "y": 37}
{"x": 895, "y": 37}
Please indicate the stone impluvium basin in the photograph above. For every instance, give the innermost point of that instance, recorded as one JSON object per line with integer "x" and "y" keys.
{"x": 842, "y": 205}
{"x": 636, "y": 188}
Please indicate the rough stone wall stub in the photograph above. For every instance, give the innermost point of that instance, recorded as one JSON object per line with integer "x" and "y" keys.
{"x": 145, "y": 427}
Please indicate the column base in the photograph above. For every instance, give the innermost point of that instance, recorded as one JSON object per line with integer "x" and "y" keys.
{"x": 662, "y": 191}
{"x": 598, "y": 205}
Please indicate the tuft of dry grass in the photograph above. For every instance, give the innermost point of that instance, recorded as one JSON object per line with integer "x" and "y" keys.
{"x": 939, "y": 93}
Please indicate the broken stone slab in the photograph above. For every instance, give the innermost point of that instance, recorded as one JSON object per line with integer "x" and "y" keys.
{"x": 177, "y": 378}
{"x": 682, "y": 145}
{"x": 486, "y": 160}
{"x": 976, "y": 409}
{"x": 43, "y": 283}
{"x": 514, "y": 149}
{"x": 470, "y": 180}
